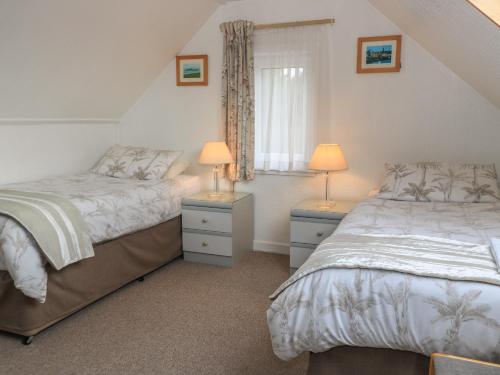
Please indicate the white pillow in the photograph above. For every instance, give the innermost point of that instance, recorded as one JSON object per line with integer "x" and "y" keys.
{"x": 177, "y": 167}
{"x": 136, "y": 162}
{"x": 440, "y": 182}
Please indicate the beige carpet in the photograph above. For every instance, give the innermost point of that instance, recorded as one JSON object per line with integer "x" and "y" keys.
{"x": 185, "y": 318}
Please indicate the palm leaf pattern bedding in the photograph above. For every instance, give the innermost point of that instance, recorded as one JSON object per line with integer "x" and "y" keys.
{"x": 389, "y": 309}
{"x": 110, "y": 207}
{"x": 440, "y": 182}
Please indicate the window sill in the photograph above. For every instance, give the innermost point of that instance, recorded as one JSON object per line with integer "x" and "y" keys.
{"x": 284, "y": 173}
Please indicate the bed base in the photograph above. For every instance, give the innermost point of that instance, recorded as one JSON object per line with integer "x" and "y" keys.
{"x": 27, "y": 340}
{"x": 116, "y": 263}
{"x": 349, "y": 360}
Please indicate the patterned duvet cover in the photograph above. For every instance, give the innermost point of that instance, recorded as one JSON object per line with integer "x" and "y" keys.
{"x": 388, "y": 309}
{"x": 110, "y": 207}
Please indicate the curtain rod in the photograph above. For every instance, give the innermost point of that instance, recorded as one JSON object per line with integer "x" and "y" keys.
{"x": 325, "y": 21}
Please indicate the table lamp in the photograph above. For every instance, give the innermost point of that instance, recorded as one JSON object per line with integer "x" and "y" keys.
{"x": 217, "y": 154}
{"x": 328, "y": 158}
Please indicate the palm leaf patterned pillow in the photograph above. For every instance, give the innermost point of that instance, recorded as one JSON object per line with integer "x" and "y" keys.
{"x": 440, "y": 182}
{"x": 135, "y": 162}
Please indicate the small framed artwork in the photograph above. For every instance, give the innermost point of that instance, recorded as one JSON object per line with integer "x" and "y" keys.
{"x": 379, "y": 54}
{"x": 192, "y": 70}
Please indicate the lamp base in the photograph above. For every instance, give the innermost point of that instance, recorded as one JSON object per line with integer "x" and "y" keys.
{"x": 215, "y": 194}
{"x": 326, "y": 205}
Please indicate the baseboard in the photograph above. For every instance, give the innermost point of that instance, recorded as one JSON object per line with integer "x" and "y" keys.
{"x": 272, "y": 247}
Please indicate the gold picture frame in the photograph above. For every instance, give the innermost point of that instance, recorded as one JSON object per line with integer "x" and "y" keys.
{"x": 192, "y": 70}
{"x": 379, "y": 54}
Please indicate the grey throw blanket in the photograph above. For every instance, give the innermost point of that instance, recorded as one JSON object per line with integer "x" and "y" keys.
{"x": 416, "y": 255}
{"x": 53, "y": 221}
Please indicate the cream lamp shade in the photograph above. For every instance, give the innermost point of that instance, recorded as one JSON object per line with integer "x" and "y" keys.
{"x": 328, "y": 157}
{"x": 215, "y": 153}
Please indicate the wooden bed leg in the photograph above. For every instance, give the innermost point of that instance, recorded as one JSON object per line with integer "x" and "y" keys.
{"x": 141, "y": 279}
{"x": 28, "y": 340}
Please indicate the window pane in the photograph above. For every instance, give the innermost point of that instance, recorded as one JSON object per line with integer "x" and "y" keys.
{"x": 281, "y": 114}
{"x": 292, "y": 95}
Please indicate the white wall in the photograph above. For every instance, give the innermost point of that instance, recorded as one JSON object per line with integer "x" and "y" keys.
{"x": 425, "y": 112}
{"x": 89, "y": 58}
{"x": 445, "y": 29}
{"x": 39, "y": 148}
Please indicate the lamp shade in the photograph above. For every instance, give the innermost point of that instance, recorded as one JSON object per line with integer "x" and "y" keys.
{"x": 328, "y": 157}
{"x": 215, "y": 153}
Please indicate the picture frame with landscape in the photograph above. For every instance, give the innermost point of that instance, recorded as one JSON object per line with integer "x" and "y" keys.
{"x": 379, "y": 54}
{"x": 192, "y": 70}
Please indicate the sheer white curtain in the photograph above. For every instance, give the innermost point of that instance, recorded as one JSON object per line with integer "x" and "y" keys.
{"x": 292, "y": 94}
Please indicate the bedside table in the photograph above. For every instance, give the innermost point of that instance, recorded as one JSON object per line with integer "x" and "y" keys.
{"x": 310, "y": 224}
{"x": 217, "y": 230}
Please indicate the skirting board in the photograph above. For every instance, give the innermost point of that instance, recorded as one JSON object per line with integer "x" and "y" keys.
{"x": 272, "y": 247}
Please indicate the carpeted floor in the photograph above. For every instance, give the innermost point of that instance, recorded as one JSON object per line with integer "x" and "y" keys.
{"x": 185, "y": 318}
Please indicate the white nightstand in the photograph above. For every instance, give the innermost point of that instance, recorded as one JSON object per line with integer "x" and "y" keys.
{"x": 217, "y": 230}
{"x": 310, "y": 224}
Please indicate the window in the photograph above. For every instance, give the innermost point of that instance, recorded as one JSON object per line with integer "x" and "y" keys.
{"x": 281, "y": 115}
{"x": 490, "y": 8}
{"x": 291, "y": 89}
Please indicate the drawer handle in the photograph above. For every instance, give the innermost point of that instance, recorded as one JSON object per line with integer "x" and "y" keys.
{"x": 204, "y": 243}
{"x": 204, "y": 220}
{"x": 319, "y": 234}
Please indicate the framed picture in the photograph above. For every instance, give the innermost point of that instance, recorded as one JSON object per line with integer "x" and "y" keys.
{"x": 192, "y": 70}
{"x": 379, "y": 54}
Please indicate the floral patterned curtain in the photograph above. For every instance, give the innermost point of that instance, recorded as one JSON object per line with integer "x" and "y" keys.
{"x": 238, "y": 97}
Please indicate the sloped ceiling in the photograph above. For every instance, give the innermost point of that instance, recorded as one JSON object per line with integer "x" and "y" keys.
{"x": 456, "y": 33}
{"x": 91, "y": 58}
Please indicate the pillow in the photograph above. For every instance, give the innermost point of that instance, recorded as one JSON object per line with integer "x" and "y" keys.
{"x": 135, "y": 162}
{"x": 440, "y": 182}
{"x": 178, "y": 166}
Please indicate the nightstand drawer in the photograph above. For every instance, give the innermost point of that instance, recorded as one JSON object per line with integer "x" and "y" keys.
{"x": 207, "y": 243}
{"x": 298, "y": 255}
{"x": 207, "y": 220}
{"x": 311, "y": 232}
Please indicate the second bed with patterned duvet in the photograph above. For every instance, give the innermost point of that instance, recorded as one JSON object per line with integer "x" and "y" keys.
{"x": 418, "y": 301}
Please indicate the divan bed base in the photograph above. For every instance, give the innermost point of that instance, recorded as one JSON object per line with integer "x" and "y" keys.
{"x": 115, "y": 264}
{"x": 350, "y": 360}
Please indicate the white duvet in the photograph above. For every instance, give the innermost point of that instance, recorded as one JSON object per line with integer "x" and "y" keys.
{"x": 110, "y": 207}
{"x": 388, "y": 309}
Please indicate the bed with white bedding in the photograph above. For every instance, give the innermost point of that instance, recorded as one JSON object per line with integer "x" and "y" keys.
{"x": 111, "y": 207}
{"x": 68, "y": 241}
{"x": 363, "y": 304}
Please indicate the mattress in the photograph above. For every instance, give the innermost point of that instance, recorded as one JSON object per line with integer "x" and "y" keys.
{"x": 386, "y": 309}
{"x": 110, "y": 207}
